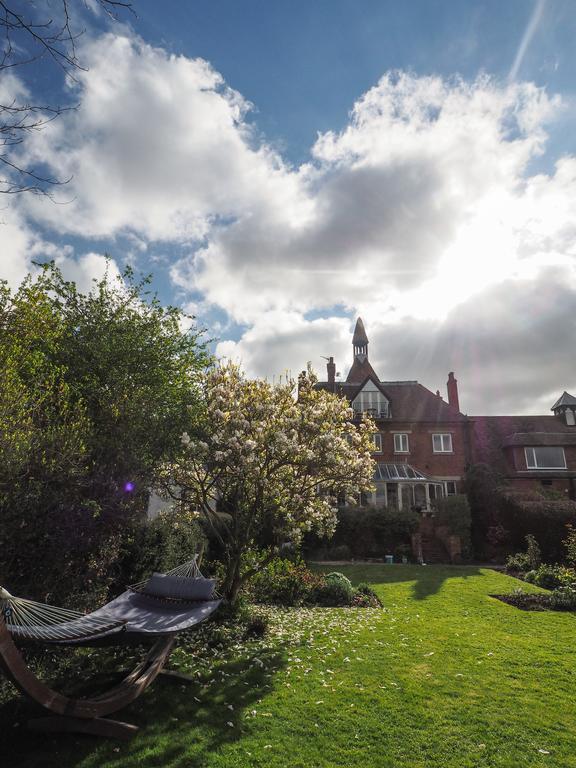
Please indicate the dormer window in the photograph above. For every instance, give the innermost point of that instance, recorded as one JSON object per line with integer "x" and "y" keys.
{"x": 371, "y": 401}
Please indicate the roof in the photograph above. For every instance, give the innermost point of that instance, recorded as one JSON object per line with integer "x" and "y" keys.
{"x": 410, "y": 401}
{"x": 360, "y": 338}
{"x": 398, "y": 472}
{"x": 565, "y": 399}
{"x": 494, "y": 432}
{"x": 360, "y": 371}
{"x": 540, "y": 438}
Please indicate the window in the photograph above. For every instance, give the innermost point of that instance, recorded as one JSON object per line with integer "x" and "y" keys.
{"x": 545, "y": 458}
{"x": 370, "y": 400}
{"x": 377, "y": 437}
{"x": 450, "y": 488}
{"x": 400, "y": 443}
{"x": 442, "y": 443}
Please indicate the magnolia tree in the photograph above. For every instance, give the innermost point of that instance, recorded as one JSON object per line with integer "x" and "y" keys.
{"x": 269, "y": 465}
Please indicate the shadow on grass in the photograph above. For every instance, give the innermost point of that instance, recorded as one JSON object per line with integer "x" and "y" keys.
{"x": 180, "y": 722}
{"x": 428, "y": 579}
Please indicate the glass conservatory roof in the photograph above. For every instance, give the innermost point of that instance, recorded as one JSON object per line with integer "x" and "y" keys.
{"x": 395, "y": 472}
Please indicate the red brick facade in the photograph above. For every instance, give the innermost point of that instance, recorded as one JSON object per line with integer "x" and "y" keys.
{"x": 437, "y": 465}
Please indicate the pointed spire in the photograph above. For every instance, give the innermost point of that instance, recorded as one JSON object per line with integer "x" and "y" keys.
{"x": 360, "y": 341}
{"x": 359, "y": 337}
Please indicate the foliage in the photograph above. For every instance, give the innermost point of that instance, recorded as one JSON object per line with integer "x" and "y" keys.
{"x": 270, "y": 465}
{"x": 335, "y": 590}
{"x": 160, "y": 544}
{"x": 370, "y": 532}
{"x": 95, "y": 392}
{"x": 569, "y": 545}
{"x": 525, "y": 561}
{"x": 290, "y": 693}
{"x": 481, "y": 483}
{"x": 551, "y": 576}
{"x": 528, "y": 512}
{"x": 283, "y": 582}
{"x": 564, "y": 598}
{"x": 454, "y": 513}
{"x": 366, "y": 597}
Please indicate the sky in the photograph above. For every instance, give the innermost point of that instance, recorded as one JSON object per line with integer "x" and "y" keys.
{"x": 281, "y": 168}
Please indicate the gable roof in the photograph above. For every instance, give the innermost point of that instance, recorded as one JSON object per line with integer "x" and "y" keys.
{"x": 360, "y": 371}
{"x": 409, "y": 400}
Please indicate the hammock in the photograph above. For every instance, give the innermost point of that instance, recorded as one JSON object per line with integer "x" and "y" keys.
{"x": 148, "y": 610}
{"x": 134, "y": 613}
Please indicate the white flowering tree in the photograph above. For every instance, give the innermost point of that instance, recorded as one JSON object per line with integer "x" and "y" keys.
{"x": 269, "y": 465}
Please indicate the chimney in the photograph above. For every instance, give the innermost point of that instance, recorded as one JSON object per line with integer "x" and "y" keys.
{"x": 452, "y": 386}
{"x": 331, "y": 368}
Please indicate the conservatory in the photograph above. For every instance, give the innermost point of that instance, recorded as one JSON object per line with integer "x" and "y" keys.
{"x": 400, "y": 486}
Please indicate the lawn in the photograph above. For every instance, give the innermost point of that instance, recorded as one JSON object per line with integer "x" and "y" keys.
{"x": 444, "y": 677}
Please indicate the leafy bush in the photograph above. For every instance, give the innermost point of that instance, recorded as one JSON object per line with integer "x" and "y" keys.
{"x": 564, "y": 598}
{"x": 365, "y": 596}
{"x": 569, "y": 545}
{"x": 335, "y": 590}
{"x": 283, "y": 582}
{"x": 341, "y": 552}
{"x": 551, "y": 576}
{"x": 525, "y": 561}
{"x": 454, "y": 512}
{"x": 518, "y": 563}
{"x": 528, "y": 512}
{"x": 369, "y": 531}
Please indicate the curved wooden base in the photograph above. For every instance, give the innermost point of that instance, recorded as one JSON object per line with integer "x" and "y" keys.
{"x": 89, "y": 710}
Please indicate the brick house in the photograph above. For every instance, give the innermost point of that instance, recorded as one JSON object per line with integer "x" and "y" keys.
{"x": 422, "y": 444}
{"x": 531, "y": 451}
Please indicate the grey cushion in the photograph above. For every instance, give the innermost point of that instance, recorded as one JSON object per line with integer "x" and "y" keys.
{"x": 179, "y": 587}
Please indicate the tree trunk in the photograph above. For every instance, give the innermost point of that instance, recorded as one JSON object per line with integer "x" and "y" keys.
{"x": 233, "y": 581}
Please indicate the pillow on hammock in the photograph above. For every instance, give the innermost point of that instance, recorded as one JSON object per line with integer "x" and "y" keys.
{"x": 179, "y": 587}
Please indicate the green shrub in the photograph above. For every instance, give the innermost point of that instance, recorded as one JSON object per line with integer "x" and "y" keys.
{"x": 341, "y": 552}
{"x": 523, "y": 562}
{"x": 454, "y": 512}
{"x": 551, "y": 576}
{"x": 365, "y": 596}
{"x": 335, "y": 590}
{"x": 525, "y": 513}
{"x": 283, "y": 582}
{"x": 569, "y": 545}
{"x": 564, "y": 598}
{"x": 518, "y": 563}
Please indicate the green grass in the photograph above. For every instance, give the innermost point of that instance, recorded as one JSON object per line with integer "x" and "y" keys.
{"x": 444, "y": 677}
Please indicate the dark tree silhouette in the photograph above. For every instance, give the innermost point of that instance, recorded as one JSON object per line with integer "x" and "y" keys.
{"x": 29, "y": 32}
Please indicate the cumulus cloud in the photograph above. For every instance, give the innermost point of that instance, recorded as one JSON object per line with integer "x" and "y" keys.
{"x": 428, "y": 180}
{"x": 510, "y": 346}
{"x": 159, "y": 147}
{"x": 422, "y": 214}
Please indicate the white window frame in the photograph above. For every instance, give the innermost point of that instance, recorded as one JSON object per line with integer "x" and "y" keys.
{"x": 534, "y": 463}
{"x": 372, "y": 401}
{"x": 377, "y": 438}
{"x": 445, "y": 437}
{"x": 401, "y": 439}
{"x": 452, "y": 483}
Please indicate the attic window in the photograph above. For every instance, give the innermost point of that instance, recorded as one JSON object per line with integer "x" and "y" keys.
{"x": 370, "y": 400}
{"x": 545, "y": 457}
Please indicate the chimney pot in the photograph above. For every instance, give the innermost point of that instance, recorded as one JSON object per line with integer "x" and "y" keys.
{"x": 331, "y": 368}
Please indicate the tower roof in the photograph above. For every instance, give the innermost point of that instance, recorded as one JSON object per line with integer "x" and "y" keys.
{"x": 359, "y": 339}
{"x": 565, "y": 399}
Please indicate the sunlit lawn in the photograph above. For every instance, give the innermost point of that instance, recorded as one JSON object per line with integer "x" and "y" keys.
{"x": 444, "y": 677}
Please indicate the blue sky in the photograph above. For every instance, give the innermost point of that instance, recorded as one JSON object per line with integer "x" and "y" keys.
{"x": 281, "y": 167}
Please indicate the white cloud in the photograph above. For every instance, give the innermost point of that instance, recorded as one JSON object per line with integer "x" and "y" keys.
{"x": 159, "y": 147}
